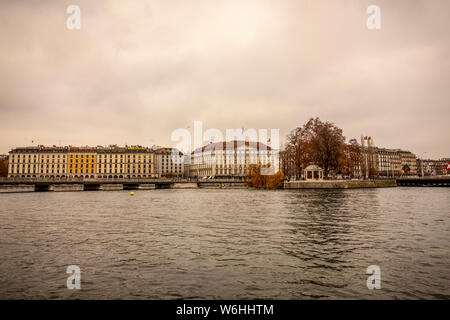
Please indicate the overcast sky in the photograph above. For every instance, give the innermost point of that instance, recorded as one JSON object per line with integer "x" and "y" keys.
{"x": 137, "y": 70}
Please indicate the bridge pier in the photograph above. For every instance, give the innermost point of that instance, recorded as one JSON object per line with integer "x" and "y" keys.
{"x": 436, "y": 182}
{"x": 16, "y": 188}
{"x": 67, "y": 187}
{"x": 111, "y": 187}
{"x": 147, "y": 186}
{"x": 184, "y": 185}
{"x": 43, "y": 187}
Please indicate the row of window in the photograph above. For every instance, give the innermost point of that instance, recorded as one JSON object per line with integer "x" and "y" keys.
{"x": 39, "y": 160}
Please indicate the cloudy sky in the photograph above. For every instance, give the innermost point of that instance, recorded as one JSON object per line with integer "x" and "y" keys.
{"x": 137, "y": 70}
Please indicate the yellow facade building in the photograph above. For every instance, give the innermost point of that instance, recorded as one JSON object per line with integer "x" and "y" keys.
{"x": 82, "y": 162}
{"x": 71, "y": 162}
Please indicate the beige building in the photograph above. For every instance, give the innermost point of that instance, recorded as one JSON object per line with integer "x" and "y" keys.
{"x": 169, "y": 163}
{"x": 388, "y": 162}
{"x": 38, "y": 162}
{"x": 391, "y": 162}
{"x": 129, "y": 162}
{"x": 229, "y": 159}
{"x": 408, "y": 162}
{"x": 82, "y": 162}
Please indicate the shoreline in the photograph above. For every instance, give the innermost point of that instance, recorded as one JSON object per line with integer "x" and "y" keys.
{"x": 14, "y": 186}
{"x": 292, "y": 185}
{"x": 340, "y": 184}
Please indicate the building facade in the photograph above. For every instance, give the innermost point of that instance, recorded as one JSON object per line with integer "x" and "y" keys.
{"x": 230, "y": 159}
{"x": 288, "y": 166}
{"x": 388, "y": 162}
{"x": 82, "y": 162}
{"x": 130, "y": 162}
{"x": 432, "y": 167}
{"x": 169, "y": 163}
{"x": 395, "y": 162}
{"x": 38, "y": 162}
{"x": 408, "y": 162}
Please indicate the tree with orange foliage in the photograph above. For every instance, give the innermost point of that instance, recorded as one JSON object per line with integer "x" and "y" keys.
{"x": 317, "y": 142}
{"x": 3, "y": 167}
{"x": 256, "y": 180}
{"x": 274, "y": 181}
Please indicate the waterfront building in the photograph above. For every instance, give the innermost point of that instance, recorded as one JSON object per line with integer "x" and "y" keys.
{"x": 169, "y": 163}
{"x": 288, "y": 166}
{"x": 139, "y": 162}
{"x": 40, "y": 161}
{"x": 391, "y": 162}
{"x": 111, "y": 162}
{"x": 408, "y": 162}
{"x": 432, "y": 167}
{"x": 229, "y": 159}
{"x": 388, "y": 162}
{"x": 126, "y": 162}
{"x": 82, "y": 162}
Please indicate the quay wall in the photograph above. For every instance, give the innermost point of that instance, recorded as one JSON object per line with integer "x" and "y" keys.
{"x": 326, "y": 184}
{"x": 16, "y": 188}
{"x": 66, "y": 187}
{"x": 147, "y": 186}
{"x": 184, "y": 185}
{"x": 110, "y": 187}
{"x": 218, "y": 185}
{"x": 340, "y": 184}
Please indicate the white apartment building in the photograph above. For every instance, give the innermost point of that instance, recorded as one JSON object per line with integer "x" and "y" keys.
{"x": 169, "y": 163}
{"x": 37, "y": 162}
{"x": 130, "y": 162}
{"x": 229, "y": 159}
{"x": 390, "y": 162}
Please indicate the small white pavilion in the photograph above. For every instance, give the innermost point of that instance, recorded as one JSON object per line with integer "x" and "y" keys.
{"x": 313, "y": 173}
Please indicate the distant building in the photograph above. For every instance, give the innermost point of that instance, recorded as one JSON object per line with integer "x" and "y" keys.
{"x": 432, "y": 167}
{"x": 169, "y": 163}
{"x": 288, "y": 165}
{"x": 391, "y": 162}
{"x": 388, "y": 162}
{"x": 408, "y": 162}
{"x": 82, "y": 162}
{"x": 126, "y": 162}
{"x": 41, "y": 161}
{"x": 229, "y": 159}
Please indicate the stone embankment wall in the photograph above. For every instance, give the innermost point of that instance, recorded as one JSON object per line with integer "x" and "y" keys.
{"x": 340, "y": 184}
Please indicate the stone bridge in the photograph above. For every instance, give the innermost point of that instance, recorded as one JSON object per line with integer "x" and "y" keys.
{"x": 39, "y": 184}
{"x": 433, "y": 181}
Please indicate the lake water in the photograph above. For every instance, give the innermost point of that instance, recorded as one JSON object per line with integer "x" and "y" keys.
{"x": 226, "y": 244}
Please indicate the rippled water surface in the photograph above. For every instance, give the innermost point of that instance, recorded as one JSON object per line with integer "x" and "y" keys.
{"x": 226, "y": 244}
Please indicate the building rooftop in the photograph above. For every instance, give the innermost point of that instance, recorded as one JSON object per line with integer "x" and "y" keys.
{"x": 313, "y": 167}
{"x": 232, "y": 145}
